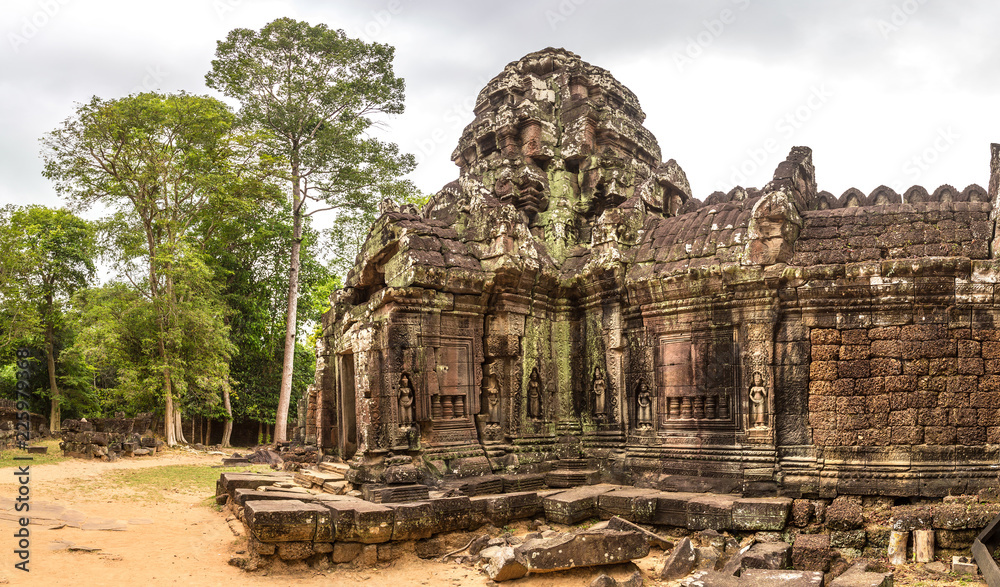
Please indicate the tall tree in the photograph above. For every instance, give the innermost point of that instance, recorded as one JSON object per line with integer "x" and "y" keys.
{"x": 315, "y": 91}
{"x": 56, "y": 251}
{"x": 164, "y": 165}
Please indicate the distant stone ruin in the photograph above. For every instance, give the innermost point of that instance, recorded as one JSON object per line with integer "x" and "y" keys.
{"x": 568, "y": 298}
{"x": 108, "y": 439}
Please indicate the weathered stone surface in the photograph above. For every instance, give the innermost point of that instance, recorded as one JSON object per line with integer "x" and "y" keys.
{"x": 581, "y": 549}
{"x": 287, "y": 520}
{"x": 345, "y": 552}
{"x": 714, "y": 512}
{"x": 761, "y": 513}
{"x": 848, "y": 538}
{"x": 500, "y": 509}
{"x": 680, "y": 562}
{"x": 863, "y": 574}
{"x": 844, "y": 514}
{"x": 412, "y": 521}
{"x": 771, "y": 578}
{"x": 634, "y": 580}
{"x": 574, "y": 505}
{"x": 811, "y": 552}
{"x": 361, "y": 521}
{"x": 653, "y": 539}
{"x": 505, "y": 566}
{"x": 293, "y": 551}
{"x": 769, "y": 555}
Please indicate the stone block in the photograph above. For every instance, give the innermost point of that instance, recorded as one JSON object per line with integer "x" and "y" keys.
{"x": 574, "y": 505}
{"x": 345, "y": 552}
{"x": 671, "y": 508}
{"x": 848, "y": 538}
{"x": 653, "y": 539}
{"x": 294, "y": 551}
{"x": 811, "y": 552}
{"x": 844, "y": 514}
{"x": 412, "y": 520}
{"x": 861, "y": 575}
{"x": 622, "y": 502}
{"x": 772, "y": 578}
{"x": 286, "y": 520}
{"x": 451, "y": 514}
{"x": 504, "y": 566}
{"x": 713, "y": 512}
{"x": 767, "y": 555}
{"x": 361, "y": 521}
{"x": 761, "y": 514}
{"x": 680, "y": 562}
{"x": 802, "y": 512}
{"x": 582, "y": 549}
{"x": 506, "y": 507}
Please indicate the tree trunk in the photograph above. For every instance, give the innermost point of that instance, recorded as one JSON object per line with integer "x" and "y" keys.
{"x": 168, "y": 410}
{"x": 179, "y": 423}
{"x": 260, "y": 433}
{"x": 55, "y": 414}
{"x": 285, "y": 393}
{"x": 208, "y": 432}
{"x": 227, "y": 430}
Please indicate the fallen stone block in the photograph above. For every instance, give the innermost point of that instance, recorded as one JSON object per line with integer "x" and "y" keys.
{"x": 229, "y": 482}
{"x": 811, "y": 552}
{"x": 504, "y": 566}
{"x": 767, "y": 555}
{"x": 861, "y": 575}
{"x": 521, "y": 482}
{"x": 772, "y": 578}
{"x": 583, "y": 549}
{"x": 602, "y": 580}
{"x": 574, "y": 505}
{"x": 963, "y": 565}
{"x": 653, "y": 539}
{"x": 713, "y": 512}
{"x": 287, "y": 521}
{"x": 710, "y": 579}
{"x": 761, "y": 514}
{"x": 360, "y": 521}
{"x": 378, "y": 493}
{"x": 680, "y": 562}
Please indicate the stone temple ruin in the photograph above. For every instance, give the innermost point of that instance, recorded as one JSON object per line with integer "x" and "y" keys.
{"x": 567, "y": 298}
{"x": 567, "y": 314}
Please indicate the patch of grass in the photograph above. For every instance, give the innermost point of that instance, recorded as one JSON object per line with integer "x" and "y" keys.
{"x": 155, "y": 483}
{"x": 53, "y": 456}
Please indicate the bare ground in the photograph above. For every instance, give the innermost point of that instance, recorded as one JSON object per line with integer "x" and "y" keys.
{"x": 181, "y": 540}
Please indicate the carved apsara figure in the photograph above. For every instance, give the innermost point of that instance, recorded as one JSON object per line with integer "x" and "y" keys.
{"x": 535, "y": 395}
{"x": 405, "y": 396}
{"x": 644, "y": 404}
{"x": 492, "y": 401}
{"x": 600, "y": 409}
{"x": 758, "y": 402}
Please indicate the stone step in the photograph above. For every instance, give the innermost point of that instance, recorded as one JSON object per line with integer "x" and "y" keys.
{"x": 574, "y": 464}
{"x": 523, "y": 482}
{"x": 333, "y": 468}
{"x": 317, "y": 477}
{"x": 378, "y": 493}
{"x": 574, "y": 505}
{"x": 572, "y": 478}
{"x": 473, "y": 486}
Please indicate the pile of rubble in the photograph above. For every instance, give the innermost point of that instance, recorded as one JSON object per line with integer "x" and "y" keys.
{"x": 107, "y": 439}
{"x": 283, "y": 455}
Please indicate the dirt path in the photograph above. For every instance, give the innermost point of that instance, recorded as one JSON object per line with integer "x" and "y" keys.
{"x": 179, "y": 540}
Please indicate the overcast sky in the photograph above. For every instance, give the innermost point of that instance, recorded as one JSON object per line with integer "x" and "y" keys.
{"x": 884, "y": 92}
